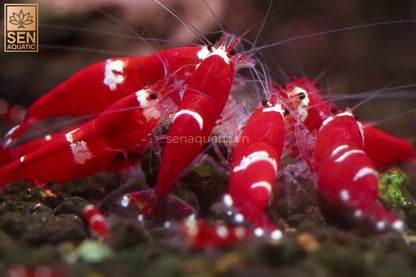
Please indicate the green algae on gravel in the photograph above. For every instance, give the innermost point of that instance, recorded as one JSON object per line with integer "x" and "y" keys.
{"x": 392, "y": 190}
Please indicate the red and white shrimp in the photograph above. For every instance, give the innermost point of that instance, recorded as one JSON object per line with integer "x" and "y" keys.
{"x": 98, "y": 86}
{"x": 200, "y": 234}
{"x": 200, "y": 107}
{"x": 384, "y": 149}
{"x": 253, "y": 176}
{"x": 95, "y": 221}
{"x": 255, "y": 164}
{"x": 91, "y": 147}
{"x": 113, "y": 91}
{"x": 309, "y": 111}
{"x": 19, "y": 270}
{"x": 347, "y": 177}
{"x": 344, "y": 154}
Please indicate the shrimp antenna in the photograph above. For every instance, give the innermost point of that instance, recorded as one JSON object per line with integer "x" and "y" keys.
{"x": 127, "y": 27}
{"x": 263, "y": 80}
{"x": 82, "y": 49}
{"x": 326, "y": 70}
{"x": 365, "y": 94}
{"x": 214, "y": 15}
{"x": 124, "y": 25}
{"x": 263, "y": 23}
{"x": 192, "y": 28}
{"x": 232, "y": 17}
{"x": 371, "y": 97}
{"x": 349, "y": 28}
{"x": 113, "y": 34}
{"x": 375, "y": 123}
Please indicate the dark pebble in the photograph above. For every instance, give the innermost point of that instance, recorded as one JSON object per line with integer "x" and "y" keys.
{"x": 45, "y": 228}
{"x": 411, "y": 218}
{"x": 126, "y": 233}
{"x": 12, "y": 223}
{"x": 290, "y": 205}
{"x": 71, "y": 205}
{"x": 288, "y": 251}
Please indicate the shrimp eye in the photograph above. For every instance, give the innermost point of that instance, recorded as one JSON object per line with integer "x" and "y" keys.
{"x": 287, "y": 112}
{"x": 264, "y": 102}
{"x": 146, "y": 83}
{"x": 232, "y": 52}
{"x": 301, "y": 95}
{"x": 334, "y": 110}
{"x": 153, "y": 96}
{"x": 284, "y": 86}
{"x": 209, "y": 47}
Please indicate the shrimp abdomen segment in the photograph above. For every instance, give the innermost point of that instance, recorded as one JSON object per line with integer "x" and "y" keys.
{"x": 384, "y": 149}
{"x": 253, "y": 178}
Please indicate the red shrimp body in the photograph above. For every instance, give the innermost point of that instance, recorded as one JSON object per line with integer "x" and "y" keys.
{"x": 202, "y": 103}
{"x": 304, "y": 100}
{"x": 95, "y": 221}
{"x": 200, "y": 234}
{"x": 9, "y": 155}
{"x": 385, "y": 149}
{"x": 253, "y": 175}
{"x": 255, "y": 164}
{"x": 91, "y": 147}
{"x": 95, "y": 88}
{"x": 199, "y": 109}
{"x": 347, "y": 178}
{"x": 66, "y": 157}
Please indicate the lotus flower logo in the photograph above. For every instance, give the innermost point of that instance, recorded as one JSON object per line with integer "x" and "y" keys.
{"x": 21, "y": 19}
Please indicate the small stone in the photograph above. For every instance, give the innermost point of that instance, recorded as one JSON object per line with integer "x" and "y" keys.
{"x": 93, "y": 251}
{"x": 307, "y": 242}
{"x": 71, "y": 205}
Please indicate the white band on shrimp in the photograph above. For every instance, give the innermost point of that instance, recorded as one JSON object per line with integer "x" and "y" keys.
{"x": 80, "y": 150}
{"x": 113, "y": 73}
{"x": 277, "y": 109}
{"x": 222, "y": 232}
{"x": 254, "y": 158}
{"x": 364, "y": 172}
{"x": 220, "y": 51}
{"x": 347, "y": 154}
{"x": 203, "y": 53}
{"x": 339, "y": 149}
{"x": 198, "y": 118}
{"x": 141, "y": 96}
{"x": 262, "y": 184}
{"x": 329, "y": 119}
